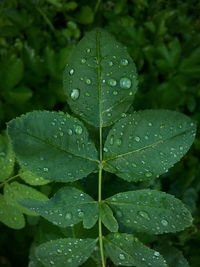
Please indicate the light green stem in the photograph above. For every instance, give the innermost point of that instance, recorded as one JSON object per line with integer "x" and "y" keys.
{"x": 10, "y": 179}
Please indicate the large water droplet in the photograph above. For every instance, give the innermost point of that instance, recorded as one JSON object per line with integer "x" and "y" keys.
{"x": 78, "y": 129}
{"x": 125, "y": 83}
{"x": 164, "y": 222}
{"x": 124, "y": 62}
{"x": 112, "y": 82}
{"x": 75, "y": 94}
{"x": 121, "y": 256}
{"x": 144, "y": 215}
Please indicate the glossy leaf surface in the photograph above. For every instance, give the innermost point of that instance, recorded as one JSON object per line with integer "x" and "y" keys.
{"x": 100, "y": 79}
{"x": 150, "y": 211}
{"x": 107, "y": 218}
{"x": 70, "y": 252}
{"x": 127, "y": 250}
{"x": 53, "y": 146}
{"x": 147, "y": 143}
{"x": 66, "y": 208}
{"x": 10, "y": 216}
{"x": 15, "y": 191}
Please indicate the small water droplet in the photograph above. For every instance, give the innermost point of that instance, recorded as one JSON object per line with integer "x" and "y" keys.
{"x": 118, "y": 141}
{"x": 68, "y": 216}
{"x": 144, "y": 215}
{"x": 156, "y": 253}
{"x": 121, "y": 256}
{"x": 71, "y": 72}
{"x": 88, "y": 50}
{"x": 78, "y": 129}
{"x": 45, "y": 169}
{"x": 148, "y": 174}
{"x": 146, "y": 137}
{"x": 164, "y": 222}
{"x": 110, "y": 63}
{"x": 125, "y": 83}
{"x": 111, "y": 140}
{"x": 80, "y": 214}
{"x": 115, "y": 93}
{"x": 134, "y": 165}
{"x": 75, "y": 94}
{"x": 137, "y": 139}
{"x": 69, "y": 131}
{"x": 124, "y": 62}
{"x": 105, "y": 149}
{"x": 112, "y": 82}
{"x": 150, "y": 124}
{"x": 83, "y": 60}
{"x": 88, "y": 81}
{"x": 53, "y": 123}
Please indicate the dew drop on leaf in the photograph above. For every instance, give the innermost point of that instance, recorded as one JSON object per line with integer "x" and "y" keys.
{"x": 144, "y": 215}
{"x": 156, "y": 253}
{"x": 111, "y": 140}
{"x": 71, "y": 72}
{"x": 134, "y": 165}
{"x": 68, "y": 216}
{"x": 125, "y": 83}
{"x": 137, "y": 139}
{"x": 83, "y": 60}
{"x": 121, "y": 256}
{"x": 110, "y": 63}
{"x": 69, "y": 131}
{"x": 164, "y": 222}
{"x": 118, "y": 141}
{"x": 88, "y": 50}
{"x": 75, "y": 94}
{"x": 115, "y": 93}
{"x": 112, "y": 82}
{"x": 45, "y": 169}
{"x": 88, "y": 81}
{"x": 124, "y": 62}
{"x": 148, "y": 174}
{"x": 78, "y": 129}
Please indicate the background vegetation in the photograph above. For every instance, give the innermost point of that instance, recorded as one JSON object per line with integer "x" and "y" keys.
{"x": 163, "y": 38}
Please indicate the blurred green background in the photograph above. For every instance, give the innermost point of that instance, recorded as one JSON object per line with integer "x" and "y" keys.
{"x": 163, "y": 38}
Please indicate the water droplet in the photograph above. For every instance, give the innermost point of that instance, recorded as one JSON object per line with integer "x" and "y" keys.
{"x": 148, "y": 174}
{"x": 68, "y": 216}
{"x": 88, "y": 81}
{"x": 45, "y": 169}
{"x": 118, "y": 141}
{"x": 125, "y": 83}
{"x": 181, "y": 148}
{"x": 111, "y": 140}
{"x": 112, "y": 82}
{"x": 69, "y": 260}
{"x": 87, "y": 94}
{"x": 83, "y": 60}
{"x": 119, "y": 213}
{"x": 164, "y": 222}
{"x": 88, "y": 50}
{"x": 146, "y": 137}
{"x": 121, "y": 256}
{"x": 150, "y": 124}
{"x": 134, "y": 165}
{"x": 75, "y": 94}
{"x": 69, "y": 131}
{"x": 53, "y": 123}
{"x": 110, "y": 63}
{"x": 81, "y": 214}
{"x": 124, "y": 62}
{"x": 115, "y": 93}
{"x": 78, "y": 129}
{"x": 144, "y": 215}
{"x": 59, "y": 251}
{"x": 156, "y": 253}
{"x": 71, "y": 72}
{"x": 41, "y": 158}
{"x": 105, "y": 149}
{"x": 137, "y": 139}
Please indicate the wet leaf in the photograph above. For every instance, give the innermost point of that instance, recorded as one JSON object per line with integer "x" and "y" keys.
{"x": 147, "y": 143}
{"x": 53, "y": 146}
{"x": 100, "y": 79}
{"x": 70, "y": 252}
{"x": 67, "y": 207}
{"x": 107, "y": 218}
{"x": 127, "y": 250}
{"x": 150, "y": 211}
{"x": 32, "y": 179}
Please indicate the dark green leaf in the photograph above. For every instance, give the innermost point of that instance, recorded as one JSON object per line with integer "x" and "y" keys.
{"x": 107, "y": 218}
{"x": 150, "y": 211}
{"x": 68, "y": 207}
{"x": 10, "y": 216}
{"x": 70, "y": 252}
{"x": 53, "y": 146}
{"x": 100, "y": 79}
{"x": 127, "y": 250}
{"x": 15, "y": 191}
{"x": 147, "y": 143}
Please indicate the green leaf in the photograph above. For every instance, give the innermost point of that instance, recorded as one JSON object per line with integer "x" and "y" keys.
{"x": 100, "y": 79}
{"x": 15, "y": 191}
{"x": 52, "y": 145}
{"x": 66, "y": 208}
{"x": 127, "y": 250}
{"x": 10, "y": 216}
{"x": 107, "y": 218}
{"x": 70, "y": 252}
{"x": 150, "y": 211}
{"x": 7, "y": 159}
{"x": 32, "y": 179}
{"x": 147, "y": 143}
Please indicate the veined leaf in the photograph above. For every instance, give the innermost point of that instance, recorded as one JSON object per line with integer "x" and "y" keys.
{"x": 107, "y": 218}
{"x": 7, "y": 158}
{"x": 67, "y": 207}
{"x": 53, "y": 146}
{"x": 150, "y": 211}
{"x": 10, "y": 216}
{"x": 127, "y": 250}
{"x": 147, "y": 143}
{"x": 15, "y": 191}
{"x": 70, "y": 252}
{"x": 32, "y": 179}
{"x": 100, "y": 79}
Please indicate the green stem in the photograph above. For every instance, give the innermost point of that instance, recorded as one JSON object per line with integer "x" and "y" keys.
{"x": 99, "y": 200}
{"x": 10, "y": 179}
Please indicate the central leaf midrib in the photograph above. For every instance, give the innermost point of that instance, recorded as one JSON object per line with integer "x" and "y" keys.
{"x": 55, "y": 146}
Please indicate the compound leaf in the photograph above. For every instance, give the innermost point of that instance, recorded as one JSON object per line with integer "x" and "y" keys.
{"x": 7, "y": 158}
{"x": 150, "y": 211}
{"x": 127, "y": 250}
{"x": 70, "y": 252}
{"x": 107, "y": 218}
{"x": 100, "y": 79}
{"x": 147, "y": 143}
{"x": 10, "y": 216}
{"x": 15, "y": 191}
{"x": 67, "y": 207}
{"x": 52, "y": 145}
